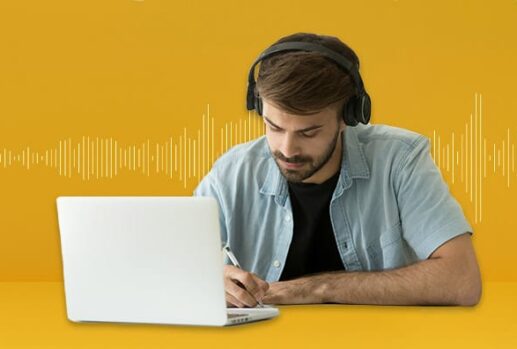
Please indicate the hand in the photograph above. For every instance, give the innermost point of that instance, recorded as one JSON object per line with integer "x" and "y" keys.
{"x": 243, "y": 289}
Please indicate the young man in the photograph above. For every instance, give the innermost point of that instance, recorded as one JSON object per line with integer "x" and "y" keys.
{"x": 324, "y": 209}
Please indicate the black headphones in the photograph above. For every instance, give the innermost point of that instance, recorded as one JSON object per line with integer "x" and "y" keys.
{"x": 357, "y": 109}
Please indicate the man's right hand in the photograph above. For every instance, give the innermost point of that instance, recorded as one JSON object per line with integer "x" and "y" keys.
{"x": 243, "y": 289}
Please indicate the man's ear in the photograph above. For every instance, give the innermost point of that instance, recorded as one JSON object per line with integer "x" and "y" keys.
{"x": 338, "y": 108}
{"x": 342, "y": 124}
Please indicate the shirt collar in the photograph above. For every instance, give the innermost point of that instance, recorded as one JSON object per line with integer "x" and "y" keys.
{"x": 353, "y": 165}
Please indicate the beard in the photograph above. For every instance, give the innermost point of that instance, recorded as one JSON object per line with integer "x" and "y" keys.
{"x": 309, "y": 165}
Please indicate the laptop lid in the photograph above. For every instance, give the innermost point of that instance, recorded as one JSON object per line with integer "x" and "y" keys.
{"x": 142, "y": 259}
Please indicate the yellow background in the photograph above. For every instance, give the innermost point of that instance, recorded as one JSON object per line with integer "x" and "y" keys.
{"x": 139, "y": 70}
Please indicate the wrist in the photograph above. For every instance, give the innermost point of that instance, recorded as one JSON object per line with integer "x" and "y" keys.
{"x": 317, "y": 288}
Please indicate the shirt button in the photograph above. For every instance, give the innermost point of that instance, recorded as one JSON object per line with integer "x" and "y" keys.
{"x": 287, "y": 218}
{"x": 276, "y": 263}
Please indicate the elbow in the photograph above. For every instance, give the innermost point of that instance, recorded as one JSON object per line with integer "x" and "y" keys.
{"x": 470, "y": 292}
{"x": 470, "y": 300}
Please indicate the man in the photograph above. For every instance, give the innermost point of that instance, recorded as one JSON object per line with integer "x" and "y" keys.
{"x": 324, "y": 209}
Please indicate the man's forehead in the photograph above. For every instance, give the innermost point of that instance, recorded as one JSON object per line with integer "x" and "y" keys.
{"x": 275, "y": 114}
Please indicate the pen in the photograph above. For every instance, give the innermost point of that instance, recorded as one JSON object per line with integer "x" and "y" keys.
{"x": 235, "y": 262}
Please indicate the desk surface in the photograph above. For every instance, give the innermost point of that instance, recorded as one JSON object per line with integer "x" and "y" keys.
{"x": 33, "y": 316}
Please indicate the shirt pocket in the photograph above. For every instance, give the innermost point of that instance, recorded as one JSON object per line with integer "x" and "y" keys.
{"x": 389, "y": 250}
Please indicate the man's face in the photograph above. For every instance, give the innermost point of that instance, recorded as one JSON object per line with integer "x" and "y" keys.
{"x": 302, "y": 145}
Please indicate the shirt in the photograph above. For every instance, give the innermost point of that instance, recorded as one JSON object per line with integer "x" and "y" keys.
{"x": 390, "y": 207}
{"x": 313, "y": 248}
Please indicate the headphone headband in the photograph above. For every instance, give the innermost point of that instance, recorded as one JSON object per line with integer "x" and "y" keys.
{"x": 359, "y": 110}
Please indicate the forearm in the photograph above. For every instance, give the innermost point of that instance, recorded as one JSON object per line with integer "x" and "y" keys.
{"x": 432, "y": 281}
{"x": 417, "y": 284}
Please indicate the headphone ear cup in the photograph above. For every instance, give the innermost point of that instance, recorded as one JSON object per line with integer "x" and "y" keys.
{"x": 349, "y": 112}
{"x": 258, "y": 105}
{"x": 365, "y": 109}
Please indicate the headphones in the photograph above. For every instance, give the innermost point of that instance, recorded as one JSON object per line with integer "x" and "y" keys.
{"x": 357, "y": 109}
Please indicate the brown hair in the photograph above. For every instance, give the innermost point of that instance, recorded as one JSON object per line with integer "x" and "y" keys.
{"x": 303, "y": 82}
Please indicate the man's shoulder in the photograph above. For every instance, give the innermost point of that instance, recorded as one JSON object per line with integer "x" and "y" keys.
{"x": 243, "y": 156}
{"x": 386, "y": 146}
{"x": 387, "y": 135}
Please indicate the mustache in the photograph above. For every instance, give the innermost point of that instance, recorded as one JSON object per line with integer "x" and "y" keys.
{"x": 293, "y": 160}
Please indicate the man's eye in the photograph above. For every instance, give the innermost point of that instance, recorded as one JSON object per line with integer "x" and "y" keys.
{"x": 309, "y": 134}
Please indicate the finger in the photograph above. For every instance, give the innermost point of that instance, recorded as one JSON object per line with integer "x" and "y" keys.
{"x": 240, "y": 294}
{"x": 263, "y": 285}
{"x": 250, "y": 283}
{"x": 232, "y": 301}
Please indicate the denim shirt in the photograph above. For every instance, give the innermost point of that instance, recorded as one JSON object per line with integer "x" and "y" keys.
{"x": 390, "y": 208}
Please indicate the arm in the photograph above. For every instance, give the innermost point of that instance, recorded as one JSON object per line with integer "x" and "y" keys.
{"x": 450, "y": 276}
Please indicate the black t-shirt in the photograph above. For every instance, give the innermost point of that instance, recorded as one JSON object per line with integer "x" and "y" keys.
{"x": 313, "y": 248}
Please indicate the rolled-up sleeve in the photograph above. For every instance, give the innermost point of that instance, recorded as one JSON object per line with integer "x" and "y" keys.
{"x": 429, "y": 214}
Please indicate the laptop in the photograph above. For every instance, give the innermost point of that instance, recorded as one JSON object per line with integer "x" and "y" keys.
{"x": 155, "y": 260}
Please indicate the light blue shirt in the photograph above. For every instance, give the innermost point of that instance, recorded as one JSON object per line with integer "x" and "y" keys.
{"x": 390, "y": 208}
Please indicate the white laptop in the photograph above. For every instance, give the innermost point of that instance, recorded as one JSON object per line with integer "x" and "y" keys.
{"x": 146, "y": 260}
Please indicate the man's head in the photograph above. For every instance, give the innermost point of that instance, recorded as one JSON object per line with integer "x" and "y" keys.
{"x": 303, "y": 95}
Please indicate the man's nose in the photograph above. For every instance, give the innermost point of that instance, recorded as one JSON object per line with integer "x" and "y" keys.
{"x": 289, "y": 147}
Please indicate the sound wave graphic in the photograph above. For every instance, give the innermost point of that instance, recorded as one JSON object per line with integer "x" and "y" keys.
{"x": 184, "y": 158}
{"x": 470, "y": 157}
{"x": 467, "y": 158}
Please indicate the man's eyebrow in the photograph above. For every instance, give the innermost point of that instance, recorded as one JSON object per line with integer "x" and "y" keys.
{"x": 303, "y": 130}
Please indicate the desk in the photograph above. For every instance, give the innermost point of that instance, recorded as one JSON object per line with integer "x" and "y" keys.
{"x": 32, "y": 315}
